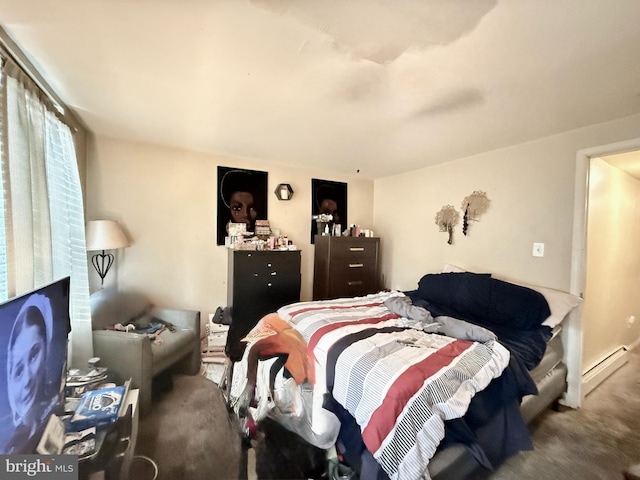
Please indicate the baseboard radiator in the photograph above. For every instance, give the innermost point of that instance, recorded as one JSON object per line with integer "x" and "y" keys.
{"x": 603, "y": 369}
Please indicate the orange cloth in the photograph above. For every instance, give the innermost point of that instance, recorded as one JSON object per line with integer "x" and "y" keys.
{"x": 274, "y": 336}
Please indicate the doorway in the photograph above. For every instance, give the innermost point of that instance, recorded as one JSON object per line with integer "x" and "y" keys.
{"x": 573, "y": 334}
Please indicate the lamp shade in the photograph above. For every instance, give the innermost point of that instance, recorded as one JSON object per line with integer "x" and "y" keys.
{"x": 105, "y": 235}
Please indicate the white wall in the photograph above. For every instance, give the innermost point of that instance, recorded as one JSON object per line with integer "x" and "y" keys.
{"x": 613, "y": 263}
{"x": 166, "y": 201}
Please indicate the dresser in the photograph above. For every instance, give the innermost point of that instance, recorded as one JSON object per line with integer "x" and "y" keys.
{"x": 258, "y": 283}
{"x": 345, "y": 266}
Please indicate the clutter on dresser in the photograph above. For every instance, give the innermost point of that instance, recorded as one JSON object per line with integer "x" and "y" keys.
{"x": 355, "y": 231}
{"x": 265, "y": 238}
{"x": 324, "y": 224}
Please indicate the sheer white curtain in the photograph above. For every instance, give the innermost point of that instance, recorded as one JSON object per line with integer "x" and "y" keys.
{"x": 41, "y": 209}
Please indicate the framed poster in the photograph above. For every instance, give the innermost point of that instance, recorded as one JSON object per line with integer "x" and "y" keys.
{"x": 330, "y": 198}
{"x": 242, "y": 198}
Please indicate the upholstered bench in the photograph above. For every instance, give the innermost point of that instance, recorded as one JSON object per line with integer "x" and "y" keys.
{"x": 141, "y": 356}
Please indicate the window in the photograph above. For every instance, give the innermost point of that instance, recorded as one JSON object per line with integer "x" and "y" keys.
{"x": 41, "y": 210}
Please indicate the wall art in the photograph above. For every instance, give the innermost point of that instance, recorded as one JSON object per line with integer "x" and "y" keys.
{"x": 242, "y": 198}
{"x": 447, "y": 218}
{"x": 473, "y": 206}
{"x": 328, "y": 198}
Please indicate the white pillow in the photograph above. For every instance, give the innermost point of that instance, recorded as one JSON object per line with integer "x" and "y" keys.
{"x": 448, "y": 268}
{"x": 560, "y": 303}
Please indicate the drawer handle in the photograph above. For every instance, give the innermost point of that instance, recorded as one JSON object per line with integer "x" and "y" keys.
{"x": 269, "y": 284}
{"x": 355, "y": 282}
{"x": 274, "y": 273}
{"x": 356, "y": 249}
{"x": 356, "y": 265}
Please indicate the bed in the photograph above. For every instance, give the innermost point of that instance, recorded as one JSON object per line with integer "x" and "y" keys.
{"x": 436, "y": 382}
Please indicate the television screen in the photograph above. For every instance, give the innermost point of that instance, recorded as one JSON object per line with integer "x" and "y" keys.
{"x": 34, "y": 330}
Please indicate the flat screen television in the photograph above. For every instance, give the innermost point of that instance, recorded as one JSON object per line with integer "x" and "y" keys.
{"x": 34, "y": 332}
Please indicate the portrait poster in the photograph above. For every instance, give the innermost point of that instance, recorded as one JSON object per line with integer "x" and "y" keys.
{"x": 242, "y": 198}
{"x": 328, "y": 197}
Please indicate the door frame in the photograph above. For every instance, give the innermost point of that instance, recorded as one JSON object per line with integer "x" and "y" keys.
{"x": 572, "y": 332}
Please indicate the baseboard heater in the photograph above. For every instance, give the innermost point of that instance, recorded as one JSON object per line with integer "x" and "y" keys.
{"x": 603, "y": 369}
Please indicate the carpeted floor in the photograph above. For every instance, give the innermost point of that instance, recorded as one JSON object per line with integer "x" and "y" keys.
{"x": 597, "y": 441}
{"x": 190, "y": 435}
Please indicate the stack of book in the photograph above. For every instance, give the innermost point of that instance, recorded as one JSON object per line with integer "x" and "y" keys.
{"x": 216, "y": 333}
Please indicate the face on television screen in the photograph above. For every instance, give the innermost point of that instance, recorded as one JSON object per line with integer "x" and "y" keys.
{"x": 33, "y": 350}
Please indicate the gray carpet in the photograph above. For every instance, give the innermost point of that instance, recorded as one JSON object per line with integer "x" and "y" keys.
{"x": 190, "y": 435}
{"x": 597, "y": 441}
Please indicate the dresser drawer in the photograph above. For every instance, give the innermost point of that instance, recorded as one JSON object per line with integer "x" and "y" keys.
{"x": 354, "y": 248}
{"x": 353, "y": 267}
{"x": 345, "y": 267}
{"x": 352, "y": 277}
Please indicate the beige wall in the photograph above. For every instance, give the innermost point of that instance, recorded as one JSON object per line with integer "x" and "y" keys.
{"x": 613, "y": 265}
{"x": 531, "y": 188}
{"x": 166, "y": 200}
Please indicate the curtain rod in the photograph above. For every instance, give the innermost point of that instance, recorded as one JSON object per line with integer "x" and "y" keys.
{"x": 10, "y": 48}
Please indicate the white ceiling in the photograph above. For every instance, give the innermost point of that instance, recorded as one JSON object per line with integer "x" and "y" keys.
{"x": 375, "y": 86}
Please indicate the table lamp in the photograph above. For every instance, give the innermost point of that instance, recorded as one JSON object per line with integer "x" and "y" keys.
{"x": 104, "y": 235}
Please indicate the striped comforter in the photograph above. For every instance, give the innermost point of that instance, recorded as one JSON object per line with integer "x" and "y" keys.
{"x": 399, "y": 383}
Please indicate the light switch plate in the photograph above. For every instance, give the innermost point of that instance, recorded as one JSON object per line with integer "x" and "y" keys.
{"x": 538, "y": 249}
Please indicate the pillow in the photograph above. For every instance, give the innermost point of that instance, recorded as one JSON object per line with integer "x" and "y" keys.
{"x": 560, "y": 303}
{"x": 483, "y": 300}
{"x": 448, "y": 268}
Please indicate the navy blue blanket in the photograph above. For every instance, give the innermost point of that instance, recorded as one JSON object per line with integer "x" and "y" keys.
{"x": 514, "y": 313}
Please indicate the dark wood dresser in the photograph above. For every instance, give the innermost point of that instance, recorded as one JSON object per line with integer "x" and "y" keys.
{"x": 345, "y": 266}
{"x": 258, "y": 283}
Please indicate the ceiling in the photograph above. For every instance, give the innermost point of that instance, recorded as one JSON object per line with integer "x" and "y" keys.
{"x": 374, "y": 87}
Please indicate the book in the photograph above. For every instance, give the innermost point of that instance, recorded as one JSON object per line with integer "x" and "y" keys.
{"x": 98, "y": 408}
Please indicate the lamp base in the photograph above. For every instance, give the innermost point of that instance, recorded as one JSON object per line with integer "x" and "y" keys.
{"x": 102, "y": 263}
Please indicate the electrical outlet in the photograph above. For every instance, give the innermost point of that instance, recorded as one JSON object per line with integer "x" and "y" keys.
{"x": 538, "y": 249}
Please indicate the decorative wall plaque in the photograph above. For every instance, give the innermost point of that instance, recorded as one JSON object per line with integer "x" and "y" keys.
{"x": 447, "y": 218}
{"x": 473, "y": 206}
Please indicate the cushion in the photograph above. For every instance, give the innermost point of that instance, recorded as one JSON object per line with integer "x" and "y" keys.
{"x": 110, "y": 306}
